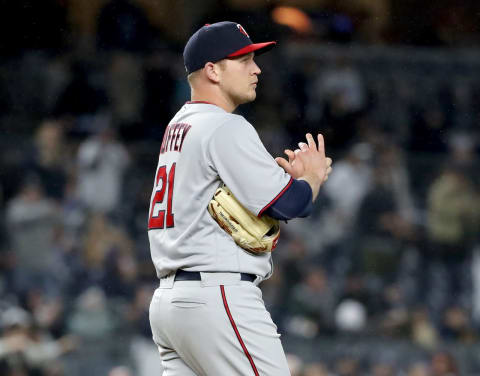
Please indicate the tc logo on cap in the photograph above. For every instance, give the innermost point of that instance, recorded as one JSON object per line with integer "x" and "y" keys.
{"x": 242, "y": 30}
{"x": 219, "y": 41}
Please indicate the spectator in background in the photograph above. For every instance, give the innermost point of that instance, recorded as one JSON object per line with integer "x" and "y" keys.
{"x": 50, "y": 159}
{"x": 383, "y": 226}
{"x": 32, "y": 221}
{"x": 121, "y": 274}
{"x": 340, "y": 94}
{"x": 392, "y": 318}
{"x": 125, "y": 88}
{"x": 102, "y": 161}
{"x": 453, "y": 223}
{"x": 422, "y": 329}
{"x": 456, "y": 326}
{"x": 26, "y": 347}
{"x": 47, "y": 311}
{"x": 96, "y": 321}
{"x": 344, "y": 79}
{"x": 102, "y": 241}
{"x": 278, "y": 289}
{"x": 387, "y": 209}
{"x": 461, "y": 148}
{"x": 344, "y": 191}
{"x": 391, "y": 157}
{"x": 444, "y": 364}
{"x": 313, "y": 301}
{"x": 346, "y": 188}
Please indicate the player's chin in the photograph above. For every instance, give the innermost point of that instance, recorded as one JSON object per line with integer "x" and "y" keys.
{"x": 246, "y": 97}
{"x": 252, "y": 94}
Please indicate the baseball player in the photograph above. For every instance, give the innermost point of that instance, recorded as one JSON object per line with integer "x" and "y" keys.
{"x": 208, "y": 316}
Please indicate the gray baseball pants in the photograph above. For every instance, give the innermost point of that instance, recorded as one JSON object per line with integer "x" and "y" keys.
{"x": 218, "y": 326}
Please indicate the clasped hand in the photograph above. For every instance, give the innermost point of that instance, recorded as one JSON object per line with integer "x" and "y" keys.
{"x": 309, "y": 161}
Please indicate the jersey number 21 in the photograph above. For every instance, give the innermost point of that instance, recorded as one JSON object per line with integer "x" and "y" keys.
{"x": 163, "y": 183}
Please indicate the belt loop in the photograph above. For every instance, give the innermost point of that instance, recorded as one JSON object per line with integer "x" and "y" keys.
{"x": 167, "y": 282}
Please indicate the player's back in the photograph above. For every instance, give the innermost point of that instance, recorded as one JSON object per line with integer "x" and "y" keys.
{"x": 181, "y": 231}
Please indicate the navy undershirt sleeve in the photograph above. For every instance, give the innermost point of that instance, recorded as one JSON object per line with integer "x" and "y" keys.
{"x": 295, "y": 202}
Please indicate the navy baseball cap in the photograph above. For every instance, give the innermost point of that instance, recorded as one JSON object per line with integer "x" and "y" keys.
{"x": 214, "y": 42}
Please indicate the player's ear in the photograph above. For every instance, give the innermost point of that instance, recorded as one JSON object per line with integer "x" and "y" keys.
{"x": 212, "y": 71}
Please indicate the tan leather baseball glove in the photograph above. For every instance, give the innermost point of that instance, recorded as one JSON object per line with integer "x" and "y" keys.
{"x": 255, "y": 235}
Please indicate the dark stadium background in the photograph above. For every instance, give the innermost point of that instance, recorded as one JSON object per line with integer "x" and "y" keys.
{"x": 382, "y": 280}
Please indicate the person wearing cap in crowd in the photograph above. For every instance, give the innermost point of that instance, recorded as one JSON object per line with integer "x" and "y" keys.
{"x": 208, "y": 316}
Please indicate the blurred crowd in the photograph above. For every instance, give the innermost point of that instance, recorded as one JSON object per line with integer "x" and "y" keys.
{"x": 390, "y": 255}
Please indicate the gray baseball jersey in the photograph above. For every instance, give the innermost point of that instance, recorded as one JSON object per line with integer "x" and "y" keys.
{"x": 202, "y": 147}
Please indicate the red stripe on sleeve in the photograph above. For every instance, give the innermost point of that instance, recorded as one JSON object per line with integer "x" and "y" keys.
{"x": 276, "y": 197}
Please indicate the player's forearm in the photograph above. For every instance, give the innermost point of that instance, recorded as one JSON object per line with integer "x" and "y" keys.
{"x": 296, "y": 202}
{"x": 314, "y": 183}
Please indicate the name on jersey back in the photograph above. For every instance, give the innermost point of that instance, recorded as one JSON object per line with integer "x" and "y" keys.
{"x": 174, "y": 136}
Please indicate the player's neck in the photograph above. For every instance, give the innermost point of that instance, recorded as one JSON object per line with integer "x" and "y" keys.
{"x": 213, "y": 98}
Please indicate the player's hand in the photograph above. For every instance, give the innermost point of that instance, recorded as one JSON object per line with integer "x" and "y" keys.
{"x": 329, "y": 169}
{"x": 294, "y": 167}
{"x": 301, "y": 168}
{"x": 317, "y": 166}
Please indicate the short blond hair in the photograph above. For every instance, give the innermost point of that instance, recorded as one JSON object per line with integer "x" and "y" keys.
{"x": 191, "y": 76}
